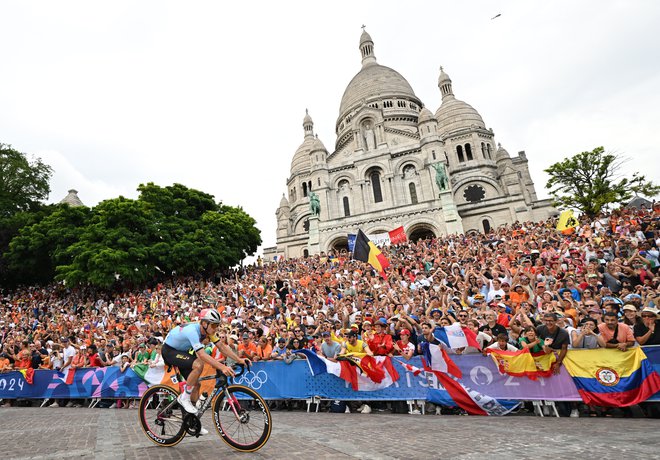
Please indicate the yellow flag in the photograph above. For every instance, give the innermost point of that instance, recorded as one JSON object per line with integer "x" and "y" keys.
{"x": 567, "y": 222}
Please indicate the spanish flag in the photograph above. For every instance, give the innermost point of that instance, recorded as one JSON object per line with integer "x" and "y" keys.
{"x": 610, "y": 377}
{"x": 366, "y": 251}
{"x": 567, "y": 222}
{"x": 523, "y": 363}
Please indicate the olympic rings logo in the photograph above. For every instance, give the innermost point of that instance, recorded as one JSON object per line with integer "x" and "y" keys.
{"x": 253, "y": 380}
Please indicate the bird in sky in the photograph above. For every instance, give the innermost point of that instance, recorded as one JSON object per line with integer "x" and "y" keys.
{"x": 496, "y": 16}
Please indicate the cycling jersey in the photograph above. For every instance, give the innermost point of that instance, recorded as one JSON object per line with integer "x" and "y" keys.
{"x": 187, "y": 336}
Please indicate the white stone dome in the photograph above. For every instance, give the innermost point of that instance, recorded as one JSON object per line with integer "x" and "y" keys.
{"x": 454, "y": 114}
{"x": 300, "y": 161}
{"x": 425, "y": 115}
{"x": 501, "y": 153}
{"x": 318, "y": 145}
{"x": 284, "y": 203}
{"x": 373, "y": 81}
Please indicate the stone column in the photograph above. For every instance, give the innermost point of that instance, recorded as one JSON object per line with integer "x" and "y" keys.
{"x": 314, "y": 239}
{"x": 453, "y": 222}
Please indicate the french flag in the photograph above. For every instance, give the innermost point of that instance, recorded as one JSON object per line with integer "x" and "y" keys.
{"x": 471, "y": 401}
{"x": 348, "y": 371}
{"x": 435, "y": 358}
{"x": 456, "y": 336}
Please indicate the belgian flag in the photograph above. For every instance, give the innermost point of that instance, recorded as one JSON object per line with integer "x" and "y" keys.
{"x": 366, "y": 251}
{"x": 567, "y": 222}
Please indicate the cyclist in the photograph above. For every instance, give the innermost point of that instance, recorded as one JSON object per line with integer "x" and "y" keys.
{"x": 183, "y": 348}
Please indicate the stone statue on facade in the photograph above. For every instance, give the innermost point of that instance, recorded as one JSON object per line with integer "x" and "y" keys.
{"x": 314, "y": 204}
{"x": 369, "y": 138}
{"x": 440, "y": 176}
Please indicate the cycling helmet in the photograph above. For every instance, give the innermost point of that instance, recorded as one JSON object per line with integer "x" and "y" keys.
{"x": 210, "y": 315}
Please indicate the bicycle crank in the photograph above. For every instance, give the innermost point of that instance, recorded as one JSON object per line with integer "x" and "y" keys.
{"x": 193, "y": 424}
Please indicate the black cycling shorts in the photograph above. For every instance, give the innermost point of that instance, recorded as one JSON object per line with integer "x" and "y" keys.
{"x": 182, "y": 359}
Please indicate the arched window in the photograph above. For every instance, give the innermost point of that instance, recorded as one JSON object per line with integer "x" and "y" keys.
{"x": 488, "y": 150}
{"x": 483, "y": 150}
{"x": 413, "y": 193}
{"x": 309, "y": 185}
{"x": 468, "y": 151}
{"x": 375, "y": 185}
{"x": 459, "y": 152}
{"x": 486, "y": 225}
{"x": 347, "y": 208}
{"x": 305, "y": 253}
{"x": 304, "y": 188}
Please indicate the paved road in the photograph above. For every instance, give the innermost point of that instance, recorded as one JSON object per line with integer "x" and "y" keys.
{"x": 115, "y": 433}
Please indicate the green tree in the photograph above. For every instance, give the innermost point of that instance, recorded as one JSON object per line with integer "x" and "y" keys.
{"x": 23, "y": 184}
{"x": 113, "y": 246}
{"x": 166, "y": 229}
{"x": 590, "y": 181}
{"x": 38, "y": 248}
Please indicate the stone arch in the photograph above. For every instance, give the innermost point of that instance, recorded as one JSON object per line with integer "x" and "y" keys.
{"x": 421, "y": 230}
{"x": 343, "y": 176}
{"x": 338, "y": 243}
{"x": 298, "y": 225}
{"x": 401, "y": 164}
{"x": 484, "y": 227}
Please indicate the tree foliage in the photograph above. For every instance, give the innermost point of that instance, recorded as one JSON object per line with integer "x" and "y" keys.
{"x": 590, "y": 181}
{"x": 23, "y": 184}
{"x": 166, "y": 230}
{"x": 38, "y": 248}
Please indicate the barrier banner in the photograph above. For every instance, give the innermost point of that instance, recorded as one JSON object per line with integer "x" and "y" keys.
{"x": 653, "y": 355}
{"x": 94, "y": 382}
{"x": 278, "y": 380}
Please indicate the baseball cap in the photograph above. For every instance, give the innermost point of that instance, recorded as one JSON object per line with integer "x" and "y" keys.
{"x": 324, "y": 334}
{"x": 478, "y": 296}
{"x": 629, "y": 307}
{"x": 404, "y": 332}
{"x": 633, "y": 296}
{"x": 246, "y": 335}
{"x": 351, "y": 334}
{"x": 595, "y": 310}
{"x": 355, "y": 326}
{"x": 282, "y": 339}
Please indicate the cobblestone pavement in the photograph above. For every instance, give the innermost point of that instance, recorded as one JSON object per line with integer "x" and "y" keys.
{"x": 115, "y": 433}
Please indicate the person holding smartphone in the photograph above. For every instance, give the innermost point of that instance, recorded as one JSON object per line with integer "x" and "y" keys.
{"x": 553, "y": 339}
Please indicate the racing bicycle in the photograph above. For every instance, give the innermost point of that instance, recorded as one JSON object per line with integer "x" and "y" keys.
{"x": 240, "y": 415}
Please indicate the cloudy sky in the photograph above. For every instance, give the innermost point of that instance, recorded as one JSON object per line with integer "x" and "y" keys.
{"x": 212, "y": 94}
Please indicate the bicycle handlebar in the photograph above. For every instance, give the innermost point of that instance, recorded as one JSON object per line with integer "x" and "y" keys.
{"x": 239, "y": 369}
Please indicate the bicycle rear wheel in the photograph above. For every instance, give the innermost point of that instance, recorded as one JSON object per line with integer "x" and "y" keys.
{"x": 161, "y": 416}
{"x": 242, "y": 419}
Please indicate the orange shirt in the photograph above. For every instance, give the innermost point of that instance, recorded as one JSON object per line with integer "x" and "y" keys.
{"x": 250, "y": 349}
{"x": 624, "y": 335}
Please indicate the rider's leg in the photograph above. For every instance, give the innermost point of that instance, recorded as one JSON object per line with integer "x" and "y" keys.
{"x": 193, "y": 377}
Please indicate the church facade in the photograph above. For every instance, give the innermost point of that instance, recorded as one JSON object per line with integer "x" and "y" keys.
{"x": 395, "y": 163}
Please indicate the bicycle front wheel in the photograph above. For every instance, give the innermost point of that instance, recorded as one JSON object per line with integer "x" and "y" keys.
{"x": 242, "y": 418}
{"x": 161, "y": 416}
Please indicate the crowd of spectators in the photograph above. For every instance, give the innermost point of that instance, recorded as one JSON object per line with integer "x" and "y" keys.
{"x": 515, "y": 287}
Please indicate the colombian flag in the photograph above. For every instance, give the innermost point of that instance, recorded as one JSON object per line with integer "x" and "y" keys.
{"x": 366, "y": 251}
{"x": 610, "y": 377}
{"x": 567, "y": 222}
{"x": 523, "y": 363}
